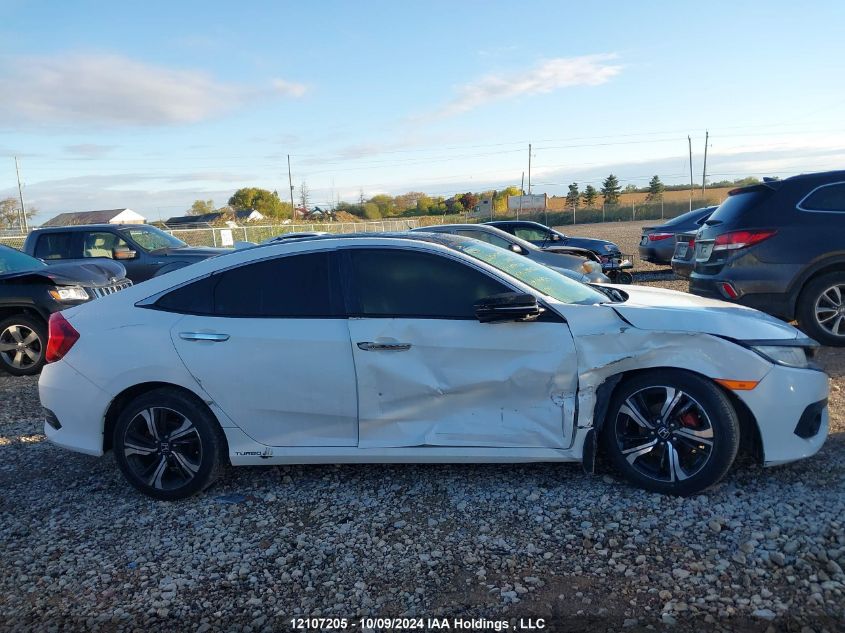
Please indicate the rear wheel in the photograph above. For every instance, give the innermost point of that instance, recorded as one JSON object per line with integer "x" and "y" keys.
{"x": 23, "y": 343}
{"x": 671, "y": 431}
{"x": 821, "y": 309}
{"x": 168, "y": 445}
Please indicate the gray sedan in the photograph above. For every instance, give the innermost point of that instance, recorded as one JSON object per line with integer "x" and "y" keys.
{"x": 573, "y": 266}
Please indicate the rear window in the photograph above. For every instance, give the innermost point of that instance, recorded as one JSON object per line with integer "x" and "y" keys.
{"x": 689, "y": 216}
{"x": 54, "y": 246}
{"x": 732, "y": 210}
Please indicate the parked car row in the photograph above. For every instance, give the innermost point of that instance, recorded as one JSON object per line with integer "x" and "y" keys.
{"x": 779, "y": 247}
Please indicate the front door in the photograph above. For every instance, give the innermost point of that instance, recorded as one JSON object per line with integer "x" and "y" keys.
{"x": 429, "y": 374}
{"x": 268, "y": 342}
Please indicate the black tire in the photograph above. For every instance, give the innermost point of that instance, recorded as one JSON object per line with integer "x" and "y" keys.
{"x": 28, "y": 356}
{"x": 685, "y": 451}
{"x": 625, "y": 277}
{"x": 157, "y": 463}
{"x": 821, "y": 309}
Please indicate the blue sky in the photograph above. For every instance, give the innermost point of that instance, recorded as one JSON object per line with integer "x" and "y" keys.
{"x": 153, "y": 105}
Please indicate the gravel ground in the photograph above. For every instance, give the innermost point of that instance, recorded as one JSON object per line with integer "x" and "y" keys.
{"x": 80, "y": 550}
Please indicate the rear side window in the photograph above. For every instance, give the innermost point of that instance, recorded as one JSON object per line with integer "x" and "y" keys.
{"x": 55, "y": 246}
{"x": 295, "y": 286}
{"x": 826, "y": 198}
{"x": 404, "y": 283}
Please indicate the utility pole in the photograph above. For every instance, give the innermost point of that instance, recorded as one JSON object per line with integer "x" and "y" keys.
{"x": 691, "y": 185}
{"x": 529, "y": 169}
{"x": 704, "y": 173}
{"x": 290, "y": 183}
{"x": 24, "y": 223}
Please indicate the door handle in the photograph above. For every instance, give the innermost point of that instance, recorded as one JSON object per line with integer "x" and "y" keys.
{"x": 204, "y": 336}
{"x": 368, "y": 346}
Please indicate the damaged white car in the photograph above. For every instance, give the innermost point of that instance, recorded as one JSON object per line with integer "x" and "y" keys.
{"x": 421, "y": 348}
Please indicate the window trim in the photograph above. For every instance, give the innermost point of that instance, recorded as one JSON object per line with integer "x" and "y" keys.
{"x": 335, "y": 282}
{"x": 827, "y": 184}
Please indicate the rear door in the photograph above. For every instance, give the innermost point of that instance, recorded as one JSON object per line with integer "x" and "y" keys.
{"x": 429, "y": 374}
{"x": 268, "y": 342}
{"x": 56, "y": 247}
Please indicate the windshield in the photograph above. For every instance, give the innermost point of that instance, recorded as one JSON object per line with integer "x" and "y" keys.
{"x": 542, "y": 278}
{"x": 150, "y": 238}
{"x": 13, "y": 261}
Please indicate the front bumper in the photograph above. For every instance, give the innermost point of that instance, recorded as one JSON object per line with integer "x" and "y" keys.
{"x": 77, "y": 404}
{"x": 779, "y": 402}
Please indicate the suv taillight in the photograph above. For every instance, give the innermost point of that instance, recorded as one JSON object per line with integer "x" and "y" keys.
{"x": 740, "y": 239}
{"x": 61, "y": 337}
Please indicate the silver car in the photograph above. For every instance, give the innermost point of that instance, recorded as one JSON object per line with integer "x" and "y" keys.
{"x": 573, "y": 266}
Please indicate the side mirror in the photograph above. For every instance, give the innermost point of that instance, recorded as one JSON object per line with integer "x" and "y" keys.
{"x": 555, "y": 237}
{"x": 507, "y": 306}
{"x": 516, "y": 248}
{"x": 123, "y": 252}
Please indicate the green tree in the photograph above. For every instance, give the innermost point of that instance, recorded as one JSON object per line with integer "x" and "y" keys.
{"x": 655, "y": 189}
{"x": 385, "y": 203}
{"x": 630, "y": 188}
{"x": 610, "y": 190}
{"x": 201, "y": 207}
{"x": 589, "y": 196}
{"x": 372, "y": 211}
{"x": 573, "y": 196}
{"x": 265, "y": 202}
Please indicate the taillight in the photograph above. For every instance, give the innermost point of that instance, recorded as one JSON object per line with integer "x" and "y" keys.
{"x": 656, "y": 237}
{"x": 61, "y": 337}
{"x": 691, "y": 244}
{"x": 740, "y": 239}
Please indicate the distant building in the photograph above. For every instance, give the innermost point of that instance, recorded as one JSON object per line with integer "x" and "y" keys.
{"x": 108, "y": 216}
{"x": 207, "y": 219}
{"x": 484, "y": 208}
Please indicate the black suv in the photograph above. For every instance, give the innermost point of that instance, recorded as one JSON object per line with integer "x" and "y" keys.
{"x": 144, "y": 250}
{"x": 30, "y": 291}
{"x": 780, "y": 247}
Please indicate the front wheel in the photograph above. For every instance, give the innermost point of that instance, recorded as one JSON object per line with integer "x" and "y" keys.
{"x": 821, "y": 309}
{"x": 23, "y": 345}
{"x": 671, "y": 431}
{"x": 168, "y": 445}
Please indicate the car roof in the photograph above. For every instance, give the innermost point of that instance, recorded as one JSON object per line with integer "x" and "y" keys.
{"x": 86, "y": 227}
{"x": 486, "y": 228}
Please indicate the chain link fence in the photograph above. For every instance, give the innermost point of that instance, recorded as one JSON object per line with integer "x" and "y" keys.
{"x": 220, "y": 236}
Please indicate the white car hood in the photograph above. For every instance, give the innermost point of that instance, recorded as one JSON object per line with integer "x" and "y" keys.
{"x": 669, "y": 310}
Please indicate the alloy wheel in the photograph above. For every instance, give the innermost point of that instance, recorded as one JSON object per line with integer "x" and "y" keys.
{"x": 20, "y": 347}
{"x": 830, "y": 310}
{"x": 664, "y": 433}
{"x": 162, "y": 448}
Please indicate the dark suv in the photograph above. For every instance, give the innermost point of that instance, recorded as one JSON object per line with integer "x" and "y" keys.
{"x": 780, "y": 247}
{"x": 30, "y": 291}
{"x": 144, "y": 250}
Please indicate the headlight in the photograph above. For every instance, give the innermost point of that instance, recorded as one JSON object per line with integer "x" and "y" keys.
{"x": 69, "y": 293}
{"x": 784, "y": 355}
{"x": 590, "y": 267}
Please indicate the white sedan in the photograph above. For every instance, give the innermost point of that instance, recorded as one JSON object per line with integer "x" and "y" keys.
{"x": 421, "y": 348}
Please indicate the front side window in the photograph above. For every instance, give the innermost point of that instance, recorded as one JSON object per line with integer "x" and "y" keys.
{"x": 495, "y": 240}
{"x": 410, "y": 284}
{"x": 532, "y": 235}
{"x": 296, "y": 286}
{"x": 54, "y": 246}
{"x": 152, "y": 239}
{"x": 826, "y": 198}
{"x": 101, "y": 244}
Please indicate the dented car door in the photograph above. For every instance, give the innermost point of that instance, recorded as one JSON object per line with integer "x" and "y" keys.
{"x": 430, "y": 374}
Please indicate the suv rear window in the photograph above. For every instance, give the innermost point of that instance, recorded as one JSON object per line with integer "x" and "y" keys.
{"x": 737, "y": 205}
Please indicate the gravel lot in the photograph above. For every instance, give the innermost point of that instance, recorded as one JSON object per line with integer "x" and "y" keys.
{"x": 80, "y": 550}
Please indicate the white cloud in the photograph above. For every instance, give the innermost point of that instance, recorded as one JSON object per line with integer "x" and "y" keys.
{"x": 545, "y": 77}
{"x": 89, "y": 150}
{"x": 112, "y": 90}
